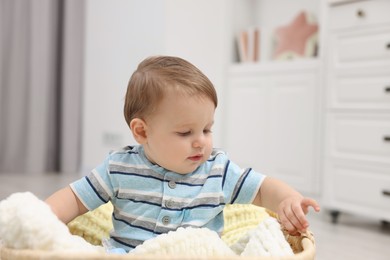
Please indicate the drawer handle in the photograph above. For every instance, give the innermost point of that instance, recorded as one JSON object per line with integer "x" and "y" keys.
{"x": 386, "y": 138}
{"x": 360, "y": 13}
{"x": 387, "y": 89}
{"x": 388, "y": 46}
{"x": 386, "y": 192}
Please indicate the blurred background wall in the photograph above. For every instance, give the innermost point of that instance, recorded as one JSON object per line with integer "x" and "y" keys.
{"x": 65, "y": 65}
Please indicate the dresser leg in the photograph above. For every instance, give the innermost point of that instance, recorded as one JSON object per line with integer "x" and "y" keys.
{"x": 335, "y": 216}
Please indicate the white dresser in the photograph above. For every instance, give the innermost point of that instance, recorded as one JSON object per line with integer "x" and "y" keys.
{"x": 272, "y": 121}
{"x": 357, "y": 146}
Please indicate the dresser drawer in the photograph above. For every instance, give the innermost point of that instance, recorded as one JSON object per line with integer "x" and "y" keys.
{"x": 361, "y": 91}
{"x": 362, "y": 186}
{"x": 363, "y": 46}
{"x": 360, "y": 137}
{"x": 358, "y": 14}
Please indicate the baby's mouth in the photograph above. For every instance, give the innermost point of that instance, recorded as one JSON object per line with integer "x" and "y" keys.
{"x": 196, "y": 158}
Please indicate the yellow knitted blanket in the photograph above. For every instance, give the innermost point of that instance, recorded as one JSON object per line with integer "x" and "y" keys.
{"x": 93, "y": 226}
{"x": 239, "y": 218}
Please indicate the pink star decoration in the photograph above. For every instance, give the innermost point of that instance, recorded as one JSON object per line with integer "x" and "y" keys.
{"x": 297, "y": 39}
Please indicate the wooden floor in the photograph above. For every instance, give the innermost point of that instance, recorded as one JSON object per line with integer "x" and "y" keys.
{"x": 353, "y": 238}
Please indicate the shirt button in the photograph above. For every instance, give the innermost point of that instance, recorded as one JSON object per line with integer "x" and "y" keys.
{"x": 172, "y": 184}
{"x": 169, "y": 203}
{"x": 166, "y": 220}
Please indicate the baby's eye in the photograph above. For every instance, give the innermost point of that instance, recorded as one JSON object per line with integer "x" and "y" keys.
{"x": 183, "y": 133}
{"x": 207, "y": 131}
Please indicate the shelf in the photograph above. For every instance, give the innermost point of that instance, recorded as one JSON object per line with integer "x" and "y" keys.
{"x": 341, "y": 2}
{"x": 274, "y": 66}
{"x": 270, "y": 16}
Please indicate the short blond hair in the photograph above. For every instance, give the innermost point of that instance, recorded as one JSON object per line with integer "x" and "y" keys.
{"x": 154, "y": 76}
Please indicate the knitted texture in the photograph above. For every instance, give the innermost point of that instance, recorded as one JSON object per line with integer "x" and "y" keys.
{"x": 189, "y": 242}
{"x": 26, "y": 222}
{"x": 239, "y": 219}
{"x": 93, "y": 226}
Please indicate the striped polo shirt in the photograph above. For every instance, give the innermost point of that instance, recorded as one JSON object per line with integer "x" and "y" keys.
{"x": 150, "y": 200}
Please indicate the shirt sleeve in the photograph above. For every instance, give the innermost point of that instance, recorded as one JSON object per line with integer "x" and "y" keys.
{"x": 96, "y": 188}
{"x": 241, "y": 185}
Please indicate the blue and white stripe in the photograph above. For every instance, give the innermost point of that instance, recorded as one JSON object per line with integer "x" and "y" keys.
{"x": 146, "y": 204}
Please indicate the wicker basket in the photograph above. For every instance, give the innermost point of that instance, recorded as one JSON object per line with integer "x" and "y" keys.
{"x": 95, "y": 225}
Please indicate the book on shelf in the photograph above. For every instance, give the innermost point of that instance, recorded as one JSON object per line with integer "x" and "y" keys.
{"x": 248, "y": 43}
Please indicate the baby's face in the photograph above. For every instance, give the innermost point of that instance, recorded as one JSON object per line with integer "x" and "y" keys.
{"x": 179, "y": 136}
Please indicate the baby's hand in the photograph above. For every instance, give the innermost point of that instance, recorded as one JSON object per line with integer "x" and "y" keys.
{"x": 292, "y": 213}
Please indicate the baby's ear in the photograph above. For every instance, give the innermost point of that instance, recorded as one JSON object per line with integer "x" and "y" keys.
{"x": 138, "y": 128}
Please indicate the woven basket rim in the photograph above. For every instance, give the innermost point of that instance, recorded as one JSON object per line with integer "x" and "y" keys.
{"x": 308, "y": 253}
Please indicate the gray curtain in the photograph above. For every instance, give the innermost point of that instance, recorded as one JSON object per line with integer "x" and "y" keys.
{"x": 40, "y": 85}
